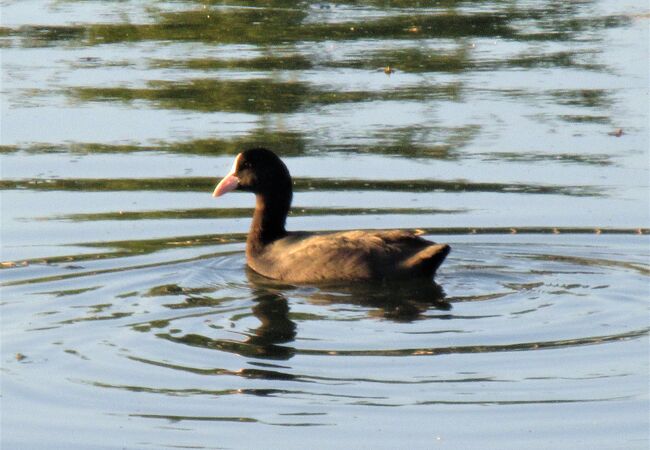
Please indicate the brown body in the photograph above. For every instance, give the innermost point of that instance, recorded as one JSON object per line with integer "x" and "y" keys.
{"x": 300, "y": 257}
{"x": 347, "y": 255}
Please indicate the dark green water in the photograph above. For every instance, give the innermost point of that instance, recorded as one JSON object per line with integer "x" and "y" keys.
{"x": 516, "y": 131}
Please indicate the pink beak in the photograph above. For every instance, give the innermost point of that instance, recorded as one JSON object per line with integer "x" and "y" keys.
{"x": 229, "y": 182}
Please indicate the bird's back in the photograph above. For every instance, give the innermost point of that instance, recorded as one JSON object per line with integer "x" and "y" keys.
{"x": 349, "y": 255}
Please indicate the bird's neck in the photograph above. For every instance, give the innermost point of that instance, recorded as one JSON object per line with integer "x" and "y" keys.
{"x": 269, "y": 220}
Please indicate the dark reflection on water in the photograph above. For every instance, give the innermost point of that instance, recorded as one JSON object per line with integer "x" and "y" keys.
{"x": 196, "y": 184}
{"x": 274, "y": 26}
{"x": 256, "y": 96}
{"x": 430, "y": 141}
{"x": 267, "y": 26}
{"x": 396, "y": 300}
{"x": 401, "y": 302}
{"x": 213, "y": 213}
{"x": 272, "y": 310}
{"x": 410, "y": 60}
{"x": 293, "y": 143}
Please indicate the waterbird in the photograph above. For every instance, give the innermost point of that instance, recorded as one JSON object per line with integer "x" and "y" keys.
{"x": 306, "y": 257}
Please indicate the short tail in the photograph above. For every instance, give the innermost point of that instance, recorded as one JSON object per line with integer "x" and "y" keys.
{"x": 427, "y": 260}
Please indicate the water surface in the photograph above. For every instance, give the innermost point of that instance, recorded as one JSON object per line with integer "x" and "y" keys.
{"x": 515, "y": 131}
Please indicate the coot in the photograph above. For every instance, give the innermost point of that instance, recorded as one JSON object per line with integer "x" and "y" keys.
{"x": 302, "y": 257}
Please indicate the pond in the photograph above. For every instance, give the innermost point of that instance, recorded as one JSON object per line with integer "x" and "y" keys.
{"x": 515, "y": 131}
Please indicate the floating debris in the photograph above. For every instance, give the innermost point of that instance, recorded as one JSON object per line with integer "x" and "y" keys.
{"x": 617, "y": 132}
{"x": 10, "y": 264}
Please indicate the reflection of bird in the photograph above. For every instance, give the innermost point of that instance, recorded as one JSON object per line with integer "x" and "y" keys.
{"x": 272, "y": 310}
{"x": 301, "y": 257}
{"x": 401, "y": 300}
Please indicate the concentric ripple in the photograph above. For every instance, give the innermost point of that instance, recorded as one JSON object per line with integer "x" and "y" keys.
{"x": 195, "y": 340}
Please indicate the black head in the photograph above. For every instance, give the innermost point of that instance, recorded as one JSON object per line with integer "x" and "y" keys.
{"x": 261, "y": 171}
{"x": 257, "y": 170}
